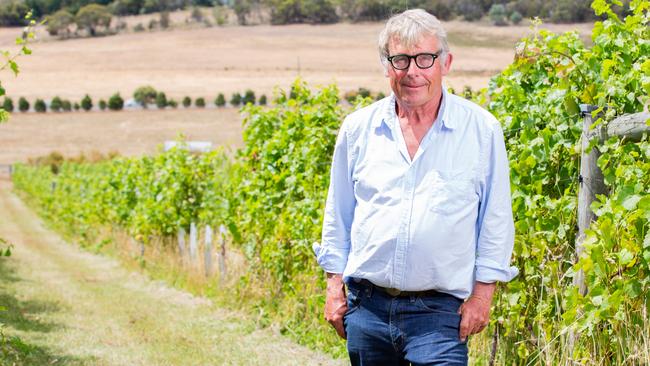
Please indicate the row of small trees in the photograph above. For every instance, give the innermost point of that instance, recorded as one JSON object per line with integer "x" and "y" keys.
{"x": 145, "y": 96}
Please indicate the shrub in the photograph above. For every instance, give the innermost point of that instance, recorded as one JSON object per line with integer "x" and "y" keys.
{"x": 196, "y": 15}
{"x": 380, "y": 96}
{"x": 138, "y": 28}
{"x": 59, "y": 23}
{"x": 23, "y": 104}
{"x": 187, "y": 102}
{"x": 145, "y": 95}
{"x": 200, "y": 102}
{"x": 12, "y": 13}
{"x": 76, "y": 106}
{"x": 102, "y": 104}
{"x": 66, "y": 105}
{"x": 115, "y": 102}
{"x": 172, "y": 103}
{"x": 249, "y": 97}
{"x": 153, "y": 24}
{"x": 164, "y": 19}
{"x": 8, "y": 105}
{"x": 262, "y": 100}
{"x": 235, "y": 100}
{"x": 220, "y": 15}
{"x": 516, "y": 17}
{"x": 86, "y": 103}
{"x": 497, "y": 14}
{"x": 470, "y": 10}
{"x": 220, "y": 101}
{"x": 56, "y": 104}
{"x": 39, "y": 106}
{"x": 161, "y": 100}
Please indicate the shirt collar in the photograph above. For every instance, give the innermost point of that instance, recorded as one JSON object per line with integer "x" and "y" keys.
{"x": 388, "y": 115}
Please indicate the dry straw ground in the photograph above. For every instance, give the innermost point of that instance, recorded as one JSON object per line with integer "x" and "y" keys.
{"x": 203, "y": 62}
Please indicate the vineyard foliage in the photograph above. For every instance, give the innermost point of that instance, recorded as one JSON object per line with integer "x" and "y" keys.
{"x": 270, "y": 195}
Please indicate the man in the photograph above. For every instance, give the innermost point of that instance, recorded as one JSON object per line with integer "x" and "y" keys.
{"x": 418, "y": 220}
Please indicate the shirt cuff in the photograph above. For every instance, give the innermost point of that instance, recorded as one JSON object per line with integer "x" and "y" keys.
{"x": 489, "y": 271}
{"x": 331, "y": 258}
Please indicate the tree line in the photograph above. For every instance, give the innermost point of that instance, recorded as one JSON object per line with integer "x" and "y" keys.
{"x": 12, "y": 12}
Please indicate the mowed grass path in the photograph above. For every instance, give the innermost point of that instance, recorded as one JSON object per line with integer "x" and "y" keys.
{"x": 76, "y": 308}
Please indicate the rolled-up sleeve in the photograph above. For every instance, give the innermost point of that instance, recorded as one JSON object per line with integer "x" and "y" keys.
{"x": 332, "y": 253}
{"x": 495, "y": 222}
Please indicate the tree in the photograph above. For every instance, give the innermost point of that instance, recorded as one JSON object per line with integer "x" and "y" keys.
{"x": 39, "y": 106}
{"x": 23, "y": 104}
{"x": 497, "y": 14}
{"x": 196, "y": 14}
{"x": 102, "y": 104}
{"x": 161, "y": 100}
{"x": 187, "y": 101}
{"x": 145, "y": 95}
{"x": 59, "y": 23}
{"x": 86, "y": 103}
{"x": 13, "y": 13}
{"x": 172, "y": 103}
{"x": 66, "y": 105}
{"x": 56, "y": 104}
{"x": 235, "y": 100}
{"x": 220, "y": 101}
{"x": 8, "y": 105}
{"x": 76, "y": 106}
{"x": 200, "y": 102}
{"x": 262, "y": 100}
{"x": 249, "y": 97}
{"x": 93, "y": 16}
{"x": 115, "y": 102}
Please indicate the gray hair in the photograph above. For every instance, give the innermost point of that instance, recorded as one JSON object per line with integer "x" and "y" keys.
{"x": 409, "y": 27}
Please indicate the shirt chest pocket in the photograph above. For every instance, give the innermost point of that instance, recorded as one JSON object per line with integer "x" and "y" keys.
{"x": 450, "y": 192}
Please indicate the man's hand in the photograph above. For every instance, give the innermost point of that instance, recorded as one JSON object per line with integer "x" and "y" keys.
{"x": 336, "y": 303}
{"x": 475, "y": 312}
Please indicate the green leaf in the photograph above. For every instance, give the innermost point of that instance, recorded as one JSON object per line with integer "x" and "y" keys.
{"x": 630, "y": 202}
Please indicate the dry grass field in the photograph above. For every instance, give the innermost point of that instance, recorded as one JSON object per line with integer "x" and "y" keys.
{"x": 128, "y": 132}
{"x": 199, "y": 61}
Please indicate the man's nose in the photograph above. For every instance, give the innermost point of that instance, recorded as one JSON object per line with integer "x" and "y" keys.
{"x": 413, "y": 68}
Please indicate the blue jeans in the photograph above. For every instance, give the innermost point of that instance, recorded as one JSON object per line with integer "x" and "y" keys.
{"x": 384, "y": 330}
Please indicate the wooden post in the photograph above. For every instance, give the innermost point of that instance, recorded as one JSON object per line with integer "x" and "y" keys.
{"x": 222, "y": 253}
{"x": 591, "y": 184}
{"x": 181, "y": 242}
{"x": 208, "y": 251}
{"x": 193, "y": 245}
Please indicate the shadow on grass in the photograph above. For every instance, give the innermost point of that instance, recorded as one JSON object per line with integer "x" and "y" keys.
{"x": 16, "y": 314}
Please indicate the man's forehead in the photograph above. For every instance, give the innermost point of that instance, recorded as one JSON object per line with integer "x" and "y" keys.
{"x": 425, "y": 42}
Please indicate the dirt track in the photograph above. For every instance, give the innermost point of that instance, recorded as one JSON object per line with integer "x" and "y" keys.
{"x": 71, "y": 307}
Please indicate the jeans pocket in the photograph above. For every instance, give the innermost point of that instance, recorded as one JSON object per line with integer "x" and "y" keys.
{"x": 354, "y": 301}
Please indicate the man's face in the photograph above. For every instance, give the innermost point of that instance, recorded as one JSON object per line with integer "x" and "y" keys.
{"x": 414, "y": 87}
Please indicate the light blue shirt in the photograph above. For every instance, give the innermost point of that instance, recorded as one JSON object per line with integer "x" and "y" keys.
{"x": 440, "y": 221}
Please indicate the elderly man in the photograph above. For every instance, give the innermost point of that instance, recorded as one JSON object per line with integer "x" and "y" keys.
{"x": 418, "y": 221}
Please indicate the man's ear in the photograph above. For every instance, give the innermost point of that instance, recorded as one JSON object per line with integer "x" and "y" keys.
{"x": 447, "y": 65}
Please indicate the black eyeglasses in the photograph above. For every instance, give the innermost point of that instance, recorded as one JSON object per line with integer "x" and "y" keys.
{"x": 422, "y": 60}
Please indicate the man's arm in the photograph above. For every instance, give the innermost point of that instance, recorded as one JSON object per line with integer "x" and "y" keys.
{"x": 332, "y": 254}
{"x": 495, "y": 240}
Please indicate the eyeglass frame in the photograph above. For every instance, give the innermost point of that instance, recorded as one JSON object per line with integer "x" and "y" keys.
{"x": 414, "y": 57}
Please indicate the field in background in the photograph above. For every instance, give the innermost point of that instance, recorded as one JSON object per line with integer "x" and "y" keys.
{"x": 201, "y": 62}
{"x": 127, "y": 132}
{"x": 205, "y": 61}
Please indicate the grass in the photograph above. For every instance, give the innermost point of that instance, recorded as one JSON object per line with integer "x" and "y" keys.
{"x": 80, "y": 308}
